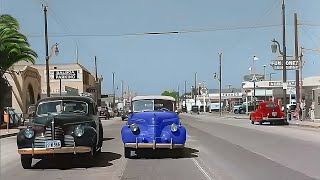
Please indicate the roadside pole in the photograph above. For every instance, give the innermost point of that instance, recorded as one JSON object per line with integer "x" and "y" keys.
{"x": 6, "y": 118}
{"x": 246, "y": 104}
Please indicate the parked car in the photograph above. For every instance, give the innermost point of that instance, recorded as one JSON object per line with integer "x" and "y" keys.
{"x": 61, "y": 125}
{"x": 103, "y": 112}
{"x": 268, "y": 111}
{"x": 153, "y": 124}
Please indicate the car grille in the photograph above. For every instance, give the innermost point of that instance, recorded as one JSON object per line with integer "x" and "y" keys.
{"x": 66, "y": 140}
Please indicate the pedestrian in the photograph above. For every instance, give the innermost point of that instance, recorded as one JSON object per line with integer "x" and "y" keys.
{"x": 312, "y": 108}
{"x": 303, "y": 110}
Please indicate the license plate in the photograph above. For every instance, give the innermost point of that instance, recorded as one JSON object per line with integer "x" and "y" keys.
{"x": 53, "y": 144}
{"x": 274, "y": 113}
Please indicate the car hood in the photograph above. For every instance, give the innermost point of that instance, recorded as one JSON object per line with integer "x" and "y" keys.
{"x": 63, "y": 119}
{"x": 154, "y": 117}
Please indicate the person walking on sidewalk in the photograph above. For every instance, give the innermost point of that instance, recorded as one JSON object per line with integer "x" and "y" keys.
{"x": 312, "y": 108}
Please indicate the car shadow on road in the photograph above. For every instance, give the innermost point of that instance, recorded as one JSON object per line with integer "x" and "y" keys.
{"x": 108, "y": 139}
{"x": 65, "y": 162}
{"x": 166, "y": 153}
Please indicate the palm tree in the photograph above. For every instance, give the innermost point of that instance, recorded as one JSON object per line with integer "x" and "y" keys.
{"x": 14, "y": 47}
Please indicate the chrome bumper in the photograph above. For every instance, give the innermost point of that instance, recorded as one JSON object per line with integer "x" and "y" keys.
{"x": 274, "y": 119}
{"x": 74, "y": 150}
{"x": 153, "y": 145}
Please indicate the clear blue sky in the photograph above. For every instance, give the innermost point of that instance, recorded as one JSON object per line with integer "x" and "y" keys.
{"x": 152, "y": 64}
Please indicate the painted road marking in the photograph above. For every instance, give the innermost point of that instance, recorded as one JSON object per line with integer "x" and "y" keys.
{"x": 201, "y": 169}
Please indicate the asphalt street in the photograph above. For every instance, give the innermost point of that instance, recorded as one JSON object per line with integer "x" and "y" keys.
{"x": 217, "y": 148}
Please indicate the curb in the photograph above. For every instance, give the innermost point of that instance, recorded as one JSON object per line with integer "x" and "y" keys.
{"x": 305, "y": 125}
{"x": 8, "y": 135}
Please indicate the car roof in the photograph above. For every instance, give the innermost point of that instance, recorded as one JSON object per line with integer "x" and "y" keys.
{"x": 77, "y": 98}
{"x": 169, "y": 98}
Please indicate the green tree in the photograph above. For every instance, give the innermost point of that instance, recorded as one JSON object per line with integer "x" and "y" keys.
{"x": 173, "y": 94}
{"x": 14, "y": 47}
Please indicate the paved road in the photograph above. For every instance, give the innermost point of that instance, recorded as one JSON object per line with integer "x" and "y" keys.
{"x": 217, "y": 148}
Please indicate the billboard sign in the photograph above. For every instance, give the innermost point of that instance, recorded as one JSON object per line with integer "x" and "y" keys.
{"x": 65, "y": 75}
{"x": 290, "y": 64}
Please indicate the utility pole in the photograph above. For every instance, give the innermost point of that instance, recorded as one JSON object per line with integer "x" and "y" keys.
{"x": 185, "y": 95}
{"x": 113, "y": 90}
{"x": 284, "y": 57}
{"x": 296, "y": 53}
{"x": 195, "y": 87}
{"x": 220, "y": 59}
{"x": 95, "y": 68}
{"x": 301, "y": 80}
{"x": 96, "y": 77}
{"x": 178, "y": 95}
{"x": 122, "y": 91}
{"x": 47, "y": 48}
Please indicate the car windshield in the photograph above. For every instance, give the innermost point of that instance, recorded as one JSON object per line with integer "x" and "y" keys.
{"x": 152, "y": 105}
{"x": 57, "y": 107}
{"x": 271, "y": 105}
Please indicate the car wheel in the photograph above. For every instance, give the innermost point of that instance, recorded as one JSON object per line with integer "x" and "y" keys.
{"x": 260, "y": 122}
{"x": 252, "y": 122}
{"x": 127, "y": 152}
{"x": 26, "y": 161}
{"x": 285, "y": 122}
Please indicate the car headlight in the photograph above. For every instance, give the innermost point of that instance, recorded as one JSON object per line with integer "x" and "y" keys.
{"x": 134, "y": 127}
{"x": 78, "y": 131}
{"x": 174, "y": 127}
{"x": 29, "y": 133}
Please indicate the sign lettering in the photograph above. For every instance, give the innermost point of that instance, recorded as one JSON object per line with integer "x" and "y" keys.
{"x": 290, "y": 64}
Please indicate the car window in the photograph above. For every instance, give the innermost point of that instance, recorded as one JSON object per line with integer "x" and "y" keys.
{"x": 46, "y": 108}
{"x": 163, "y": 104}
{"x": 143, "y": 105}
{"x": 55, "y": 107}
{"x": 271, "y": 105}
{"x": 75, "y": 107}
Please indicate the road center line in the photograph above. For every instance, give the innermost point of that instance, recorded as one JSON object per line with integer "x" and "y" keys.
{"x": 201, "y": 169}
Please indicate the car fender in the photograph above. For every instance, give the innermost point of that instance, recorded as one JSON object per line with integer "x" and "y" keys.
{"x": 88, "y": 138}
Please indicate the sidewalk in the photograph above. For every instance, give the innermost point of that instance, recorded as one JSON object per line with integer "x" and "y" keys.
{"x": 12, "y": 132}
{"x": 305, "y": 123}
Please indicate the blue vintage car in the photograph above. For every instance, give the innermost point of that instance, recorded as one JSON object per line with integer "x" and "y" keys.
{"x": 153, "y": 124}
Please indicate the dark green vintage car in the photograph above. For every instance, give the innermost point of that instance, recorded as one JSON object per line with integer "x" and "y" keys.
{"x": 61, "y": 125}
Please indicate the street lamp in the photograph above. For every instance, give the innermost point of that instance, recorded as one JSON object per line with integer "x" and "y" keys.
{"x": 284, "y": 56}
{"x": 218, "y": 77}
{"x": 54, "y": 50}
{"x": 264, "y": 72}
{"x": 114, "y": 93}
{"x": 254, "y": 79}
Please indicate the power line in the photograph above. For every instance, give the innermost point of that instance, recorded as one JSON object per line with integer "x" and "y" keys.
{"x": 267, "y": 13}
{"x": 162, "y": 33}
